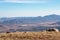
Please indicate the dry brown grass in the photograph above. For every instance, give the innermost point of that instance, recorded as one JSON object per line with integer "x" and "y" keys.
{"x": 30, "y": 36}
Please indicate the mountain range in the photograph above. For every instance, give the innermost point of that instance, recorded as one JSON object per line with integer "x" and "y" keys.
{"x": 13, "y": 24}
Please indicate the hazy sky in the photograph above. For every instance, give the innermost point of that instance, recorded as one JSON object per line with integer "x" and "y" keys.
{"x": 28, "y": 8}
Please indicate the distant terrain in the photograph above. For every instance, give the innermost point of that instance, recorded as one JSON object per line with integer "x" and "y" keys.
{"x": 39, "y": 23}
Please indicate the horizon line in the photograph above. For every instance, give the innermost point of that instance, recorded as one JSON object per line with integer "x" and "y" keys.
{"x": 29, "y": 16}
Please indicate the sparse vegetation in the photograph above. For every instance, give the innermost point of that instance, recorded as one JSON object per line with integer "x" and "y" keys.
{"x": 30, "y": 36}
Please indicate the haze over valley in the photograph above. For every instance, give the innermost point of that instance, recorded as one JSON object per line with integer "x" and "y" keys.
{"x": 29, "y": 23}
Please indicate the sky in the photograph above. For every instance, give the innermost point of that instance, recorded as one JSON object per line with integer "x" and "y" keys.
{"x": 29, "y": 8}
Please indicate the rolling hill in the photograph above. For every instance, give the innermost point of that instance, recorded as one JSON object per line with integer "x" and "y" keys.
{"x": 29, "y": 23}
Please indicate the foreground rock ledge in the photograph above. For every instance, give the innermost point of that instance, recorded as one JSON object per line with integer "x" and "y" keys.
{"x": 30, "y": 36}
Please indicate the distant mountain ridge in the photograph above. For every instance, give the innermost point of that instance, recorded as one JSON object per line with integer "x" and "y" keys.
{"x": 18, "y": 20}
{"x": 29, "y": 23}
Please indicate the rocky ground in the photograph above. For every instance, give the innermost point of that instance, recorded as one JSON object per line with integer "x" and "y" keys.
{"x": 45, "y": 35}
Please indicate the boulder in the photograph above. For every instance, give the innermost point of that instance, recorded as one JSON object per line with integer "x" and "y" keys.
{"x": 53, "y": 29}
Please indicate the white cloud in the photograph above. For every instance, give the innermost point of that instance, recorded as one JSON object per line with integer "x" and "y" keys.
{"x": 26, "y": 1}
